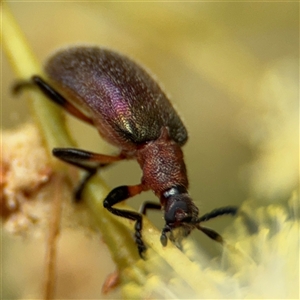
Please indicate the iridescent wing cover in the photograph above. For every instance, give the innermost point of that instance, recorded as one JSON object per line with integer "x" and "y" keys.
{"x": 123, "y": 101}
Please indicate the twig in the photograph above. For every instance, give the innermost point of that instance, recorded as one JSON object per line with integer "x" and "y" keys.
{"x": 54, "y": 226}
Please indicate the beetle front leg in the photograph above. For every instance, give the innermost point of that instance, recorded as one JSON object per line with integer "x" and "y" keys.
{"x": 120, "y": 194}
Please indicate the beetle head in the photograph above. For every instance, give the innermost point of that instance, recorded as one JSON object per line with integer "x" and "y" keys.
{"x": 180, "y": 214}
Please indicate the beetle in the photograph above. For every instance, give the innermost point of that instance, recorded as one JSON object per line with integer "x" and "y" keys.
{"x": 129, "y": 109}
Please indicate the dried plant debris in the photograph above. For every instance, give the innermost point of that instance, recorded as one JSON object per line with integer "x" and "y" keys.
{"x": 28, "y": 186}
{"x": 25, "y": 171}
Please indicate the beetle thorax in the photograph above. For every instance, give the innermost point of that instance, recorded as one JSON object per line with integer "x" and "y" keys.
{"x": 162, "y": 164}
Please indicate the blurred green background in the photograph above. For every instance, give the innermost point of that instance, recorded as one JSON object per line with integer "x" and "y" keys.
{"x": 232, "y": 72}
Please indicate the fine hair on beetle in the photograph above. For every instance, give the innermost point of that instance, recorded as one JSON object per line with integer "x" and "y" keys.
{"x": 130, "y": 111}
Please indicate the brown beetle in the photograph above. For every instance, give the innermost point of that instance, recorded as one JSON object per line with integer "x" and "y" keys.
{"x": 130, "y": 111}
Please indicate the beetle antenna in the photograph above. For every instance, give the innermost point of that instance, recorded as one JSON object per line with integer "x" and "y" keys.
{"x": 227, "y": 210}
{"x": 211, "y": 233}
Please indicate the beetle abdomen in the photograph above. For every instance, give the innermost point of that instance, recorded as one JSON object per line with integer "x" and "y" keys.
{"x": 119, "y": 96}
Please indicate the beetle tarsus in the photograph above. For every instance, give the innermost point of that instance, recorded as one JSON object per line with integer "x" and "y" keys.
{"x": 138, "y": 237}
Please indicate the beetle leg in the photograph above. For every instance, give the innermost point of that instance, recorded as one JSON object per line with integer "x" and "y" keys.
{"x": 53, "y": 95}
{"x": 120, "y": 194}
{"x": 79, "y": 189}
{"x": 85, "y": 160}
{"x": 149, "y": 205}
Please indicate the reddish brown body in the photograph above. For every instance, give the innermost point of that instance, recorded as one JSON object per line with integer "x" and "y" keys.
{"x": 162, "y": 164}
{"x": 130, "y": 111}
